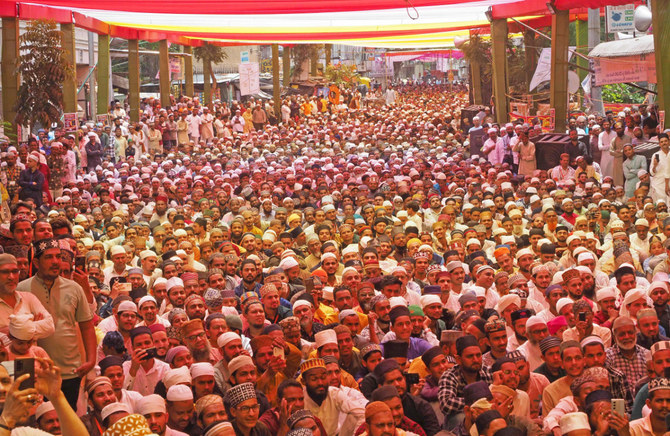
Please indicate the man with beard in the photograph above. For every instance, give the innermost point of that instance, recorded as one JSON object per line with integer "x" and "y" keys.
{"x": 153, "y": 408}
{"x": 202, "y": 376}
{"x": 194, "y": 305}
{"x": 304, "y": 311}
{"x": 100, "y": 394}
{"x": 584, "y": 326}
{"x": 518, "y": 319}
{"x": 572, "y": 283}
{"x": 648, "y": 326}
{"x": 142, "y": 373}
{"x": 175, "y": 293}
{"x": 594, "y": 356}
{"x": 536, "y": 330}
{"x": 160, "y": 210}
{"x": 249, "y": 274}
{"x": 17, "y": 303}
{"x": 195, "y": 339}
{"x": 230, "y": 344}
{"x": 338, "y": 413}
{"x": 626, "y": 356}
{"x": 269, "y": 366}
{"x": 119, "y": 266}
{"x": 379, "y": 321}
{"x": 452, "y": 382}
{"x": 148, "y": 309}
{"x": 149, "y": 260}
{"x": 529, "y": 382}
{"x": 274, "y": 311}
{"x": 208, "y": 410}
{"x": 432, "y": 308}
{"x": 616, "y": 150}
{"x": 389, "y": 373}
{"x": 254, "y": 315}
{"x": 658, "y": 292}
{"x": 22, "y": 254}
{"x": 180, "y": 408}
{"x": 389, "y": 395}
{"x": 126, "y": 318}
{"x": 588, "y": 282}
{"x": 659, "y": 403}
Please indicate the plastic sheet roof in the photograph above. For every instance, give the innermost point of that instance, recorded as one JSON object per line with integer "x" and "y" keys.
{"x": 624, "y": 47}
{"x": 371, "y": 23}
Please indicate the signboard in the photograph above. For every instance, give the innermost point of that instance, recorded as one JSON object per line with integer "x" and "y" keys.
{"x": 640, "y": 68}
{"x": 620, "y": 18}
{"x": 552, "y": 119}
{"x": 175, "y": 65}
{"x": 519, "y": 108}
{"x": 244, "y": 56}
{"x": 249, "y": 78}
{"x": 70, "y": 122}
{"x": 266, "y": 66}
{"x": 103, "y": 119}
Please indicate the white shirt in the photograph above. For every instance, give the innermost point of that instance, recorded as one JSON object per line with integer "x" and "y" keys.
{"x": 338, "y": 403}
{"x": 145, "y": 382}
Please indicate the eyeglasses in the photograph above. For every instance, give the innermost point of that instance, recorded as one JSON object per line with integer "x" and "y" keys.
{"x": 194, "y": 337}
{"x": 246, "y": 409}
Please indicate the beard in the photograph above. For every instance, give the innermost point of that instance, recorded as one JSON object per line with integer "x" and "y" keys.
{"x": 316, "y": 396}
{"x": 201, "y": 355}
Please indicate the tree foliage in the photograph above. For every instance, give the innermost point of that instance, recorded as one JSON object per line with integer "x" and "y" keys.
{"x": 622, "y": 93}
{"x": 209, "y": 52}
{"x": 342, "y": 74}
{"x": 43, "y": 67}
{"x": 302, "y": 52}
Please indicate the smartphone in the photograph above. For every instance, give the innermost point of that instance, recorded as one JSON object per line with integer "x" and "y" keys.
{"x": 582, "y": 316}
{"x": 618, "y": 406}
{"x": 309, "y": 284}
{"x": 80, "y": 263}
{"x": 411, "y": 379}
{"x": 278, "y": 352}
{"x": 25, "y": 366}
{"x": 151, "y": 354}
{"x": 125, "y": 287}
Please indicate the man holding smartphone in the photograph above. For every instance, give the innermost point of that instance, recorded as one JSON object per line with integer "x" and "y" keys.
{"x": 144, "y": 371}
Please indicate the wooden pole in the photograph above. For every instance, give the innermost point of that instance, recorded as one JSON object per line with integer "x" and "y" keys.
{"x": 329, "y": 55}
{"x": 276, "y": 85}
{"x": 134, "y": 79}
{"x": 70, "y": 85}
{"x": 286, "y": 65}
{"x": 499, "y": 62}
{"x": 164, "y": 68}
{"x": 103, "y": 74}
{"x": 560, "y": 38}
{"x": 531, "y": 54}
{"x": 10, "y": 56}
{"x": 660, "y": 12}
{"x": 188, "y": 71}
{"x": 476, "y": 84}
{"x": 207, "y": 84}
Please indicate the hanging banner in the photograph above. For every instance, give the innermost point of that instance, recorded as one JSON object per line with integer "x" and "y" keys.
{"x": 103, "y": 119}
{"x": 661, "y": 120}
{"x": 249, "y": 78}
{"x": 623, "y": 69}
{"x": 543, "y": 70}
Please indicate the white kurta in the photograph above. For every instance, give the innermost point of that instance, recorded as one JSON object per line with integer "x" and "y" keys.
{"x": 659, "y": 173}
{"x": 606, "y": 159}
{"x": 336, "y": 404}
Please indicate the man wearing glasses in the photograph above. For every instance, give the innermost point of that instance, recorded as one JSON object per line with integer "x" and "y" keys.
{"x": 244, "y": 408}
{"x": 15, "y": 302}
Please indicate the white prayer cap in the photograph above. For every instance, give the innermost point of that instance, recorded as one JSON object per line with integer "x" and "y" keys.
{"x": 22, "y": 327}
{"x": 585, "y": 256}
{"x": 325, "y": 256}
{"x": 179, "y": 393}
{"x": 227, "y": 337}
{"x": 427, "y": 300}
{"x": 397, "y": 301}
{"x": 127, "y": 306}
{"x": 288, "y": 263}
{"x": 239, "y": 362}
{"x": 604, "y": 293}
{"x": 150, "y": 404}
{"x": 145, "y": 299}
{"x": 147, "y": 253}
{"x": 351, "y": 248}
{"x": 174, "y": 282}
{"x": 574, "y": 421}
{"x": 325, "y": 337}
{"x": 113, "y": 408}
{"x": 177, "y": 376}
{"x": 301, "y": 303}
{"x": 117, "y": 249}
{"x": 43, "y": 408}
{"x": 508, "y": 300}
{"x": 200, "y": 369}
{"x": 533, "y": 321}
{"x": 565, "y": 301}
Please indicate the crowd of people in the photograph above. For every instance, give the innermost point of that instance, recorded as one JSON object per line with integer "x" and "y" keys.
{"x": 336, "y": 267}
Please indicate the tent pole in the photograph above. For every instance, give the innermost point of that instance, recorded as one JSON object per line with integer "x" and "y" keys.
{"x": 560, "y": 39}
{"x": 499, "y": 32}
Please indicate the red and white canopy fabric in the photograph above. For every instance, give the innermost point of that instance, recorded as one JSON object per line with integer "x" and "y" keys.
{"x": 372, "y": 23}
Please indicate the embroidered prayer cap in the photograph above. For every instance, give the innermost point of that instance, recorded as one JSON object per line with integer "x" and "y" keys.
{"x": 131, "y": 425}
{"x": 240, "y": 393}
{"x": 310, "y": 364}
